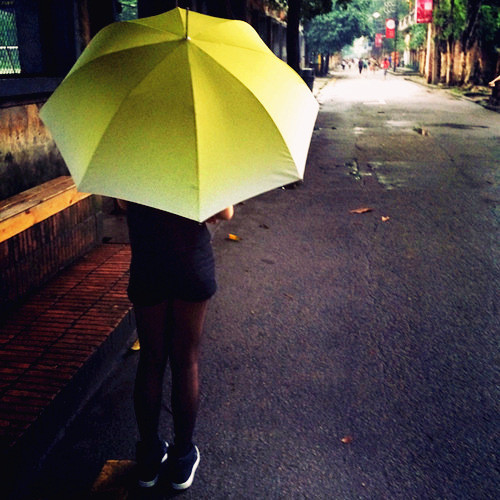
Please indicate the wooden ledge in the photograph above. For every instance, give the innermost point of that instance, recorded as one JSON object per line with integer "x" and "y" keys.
{"x": 30, "y": 207}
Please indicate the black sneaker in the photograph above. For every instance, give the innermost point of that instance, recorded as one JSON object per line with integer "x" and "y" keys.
{"x": 149, "y": 460}
{"x": 182, "y": 469}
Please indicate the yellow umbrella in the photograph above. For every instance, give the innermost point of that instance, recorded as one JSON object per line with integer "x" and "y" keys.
{"x": 183, "y": 112}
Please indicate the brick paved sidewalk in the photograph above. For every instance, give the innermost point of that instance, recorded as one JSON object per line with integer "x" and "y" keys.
{"x": 54, "y": 350}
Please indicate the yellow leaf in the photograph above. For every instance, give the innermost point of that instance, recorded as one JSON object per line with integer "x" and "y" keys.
{"x": 385, "y": 218}
{"x": 136, "y": 346}
{"x": 233, "y": 237}
{"x": 362, "y": 210}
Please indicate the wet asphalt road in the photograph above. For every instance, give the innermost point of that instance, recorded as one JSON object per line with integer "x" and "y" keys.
{"x": 346, "y": 355}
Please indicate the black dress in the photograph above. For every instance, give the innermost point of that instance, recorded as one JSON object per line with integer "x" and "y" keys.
{"x": 172, "y": 257}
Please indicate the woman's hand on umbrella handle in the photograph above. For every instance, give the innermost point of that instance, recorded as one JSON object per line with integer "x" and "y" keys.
{"x": 225, "y": 214}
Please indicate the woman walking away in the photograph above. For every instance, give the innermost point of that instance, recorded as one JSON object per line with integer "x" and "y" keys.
{"x": 172, "y": 278}
{"x": 385, "y": 65}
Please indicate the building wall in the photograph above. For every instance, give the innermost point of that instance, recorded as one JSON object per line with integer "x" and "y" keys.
{"x": 28, "y": 155}
{"x": 50, "y": 37}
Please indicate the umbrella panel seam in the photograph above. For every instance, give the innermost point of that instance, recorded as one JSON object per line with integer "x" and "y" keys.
{"x": 249, "y": 91}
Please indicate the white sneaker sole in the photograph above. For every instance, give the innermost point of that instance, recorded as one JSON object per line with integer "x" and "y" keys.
{"x": 189, "y": 482}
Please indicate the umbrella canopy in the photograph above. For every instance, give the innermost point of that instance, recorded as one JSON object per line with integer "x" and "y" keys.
{"x": 183, "y": 112}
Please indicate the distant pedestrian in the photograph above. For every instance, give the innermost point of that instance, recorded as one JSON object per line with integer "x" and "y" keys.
{"x": 385, "y": 65}
{"x": 360, "y": 65}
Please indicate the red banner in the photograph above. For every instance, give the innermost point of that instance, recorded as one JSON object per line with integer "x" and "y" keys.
{"x": 423, "y": 10}
{"x": 390, "y": 28}
{"x": 378, "y": 39}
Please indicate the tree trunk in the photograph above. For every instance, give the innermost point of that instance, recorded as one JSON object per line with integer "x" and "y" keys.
{"x": 432, "y": 64}
{"x": 229, "y": 9}
{"x": 220, "y": 8}
{"x": 463, "y": 76}
{"x": 436, "y": 61}
{"x": 325, "y": 60}
{"x": 292, "y": 35}
{"x": 469, "y": 37}
{"x": 460, "y": 64}
{"x": 147, "y": 8}
{"x": 450, "y": 48}
{"x": 100, "y": 14}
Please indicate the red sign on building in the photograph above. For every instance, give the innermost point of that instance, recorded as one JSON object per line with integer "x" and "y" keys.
{"x": 423, "y": 10}
{"x": 390, "y": 28}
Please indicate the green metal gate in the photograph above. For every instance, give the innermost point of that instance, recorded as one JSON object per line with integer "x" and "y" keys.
{"x": 9, "y": 50}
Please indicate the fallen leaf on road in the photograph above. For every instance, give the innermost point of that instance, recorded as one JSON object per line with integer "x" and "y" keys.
{"x": 136, "y": 346}
{"x": 233, "y": 237}
{"x": 347, "y": 439}
{"x": 362, "y": 210}
{"x": 385, "y": 218}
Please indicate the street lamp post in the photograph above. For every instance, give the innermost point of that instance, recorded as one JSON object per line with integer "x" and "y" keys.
{"x": 376, "y": 17}
{"x": 391, "y": 7}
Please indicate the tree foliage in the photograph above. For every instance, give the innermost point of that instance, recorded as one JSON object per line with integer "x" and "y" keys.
{"x": 489, "y": 25}
{"x": 297, "y": 10}
{"x": 329, "y": 33}
{"x": 450, "y": 16}
{"x": 418, "y": 36}
{"x": 308, "y": 8}
{"x": 468, "y": 21}
{"x": 313, "y": 8}
{"x": 127, "y": 9}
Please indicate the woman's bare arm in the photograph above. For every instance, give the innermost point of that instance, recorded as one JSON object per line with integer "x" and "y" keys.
{"x": 225, "y": 214}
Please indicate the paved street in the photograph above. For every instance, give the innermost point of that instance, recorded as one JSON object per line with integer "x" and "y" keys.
{"x": 347, "y": 355}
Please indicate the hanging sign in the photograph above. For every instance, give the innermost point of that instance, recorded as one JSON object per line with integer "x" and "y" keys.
{"x": 378, "y": 39}
{"x": 390, "y": 28}
{"x": 423, "y": 11}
